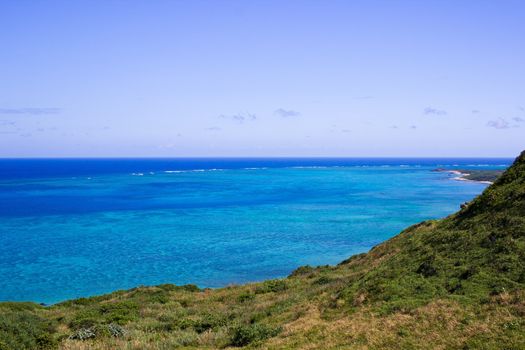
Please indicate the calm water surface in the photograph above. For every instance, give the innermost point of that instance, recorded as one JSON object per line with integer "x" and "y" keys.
{"x": 72, "y": 228}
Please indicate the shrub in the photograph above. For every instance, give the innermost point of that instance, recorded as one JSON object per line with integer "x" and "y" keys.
{"x": 174, "y": 288}
{"x": 271, "y": 286}
{"x": 323, "y": 280}
{"x": 83, "y": 334}
{"x": 427, "y": 269}
{"x": 246, "y": 296}
{"x": 21, "y": 329}
{"x": 116, "y": 331}
{"x": 113, "y": 330}
{"x": 81, "y": 322}
{"x": 119, "y": 312}
{"x": 352, "y": 258}
{"x": 243, "y": 335}
{"x": 209, "y": 321}
{"x": 302, "y": 270}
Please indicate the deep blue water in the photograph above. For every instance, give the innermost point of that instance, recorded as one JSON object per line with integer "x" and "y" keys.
{"x": 72, "y": 228}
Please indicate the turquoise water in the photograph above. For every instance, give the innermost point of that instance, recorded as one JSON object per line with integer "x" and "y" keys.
{"x": 78, "y": 231}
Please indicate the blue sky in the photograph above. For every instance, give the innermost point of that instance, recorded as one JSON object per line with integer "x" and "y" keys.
{"x": 262, "y": 78}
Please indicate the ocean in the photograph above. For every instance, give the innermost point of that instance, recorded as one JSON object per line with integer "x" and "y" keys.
{"x": 80, "y": 227}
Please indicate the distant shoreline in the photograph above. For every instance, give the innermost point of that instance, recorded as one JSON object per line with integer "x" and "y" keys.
{"x": 463, "y": 177}
{"x": 479, "y": 176}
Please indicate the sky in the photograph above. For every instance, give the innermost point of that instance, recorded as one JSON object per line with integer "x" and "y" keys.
{"x": 155, "y": 78}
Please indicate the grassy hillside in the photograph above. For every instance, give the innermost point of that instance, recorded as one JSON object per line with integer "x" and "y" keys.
{"x": 456, "y": 283}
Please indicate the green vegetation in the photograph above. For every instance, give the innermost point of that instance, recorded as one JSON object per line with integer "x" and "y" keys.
{"x": 475, "y": 175}
{"x": 481, "y": 175}
{"x": 456, "y": 283}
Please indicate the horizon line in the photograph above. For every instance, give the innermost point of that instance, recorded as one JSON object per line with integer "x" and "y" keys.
{"x": 253, "y": 157}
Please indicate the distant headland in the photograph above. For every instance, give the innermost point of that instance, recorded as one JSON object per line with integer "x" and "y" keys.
{"x": 483, "y": 176}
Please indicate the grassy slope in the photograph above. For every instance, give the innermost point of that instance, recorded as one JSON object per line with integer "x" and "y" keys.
{"x": 447, "y": 284}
